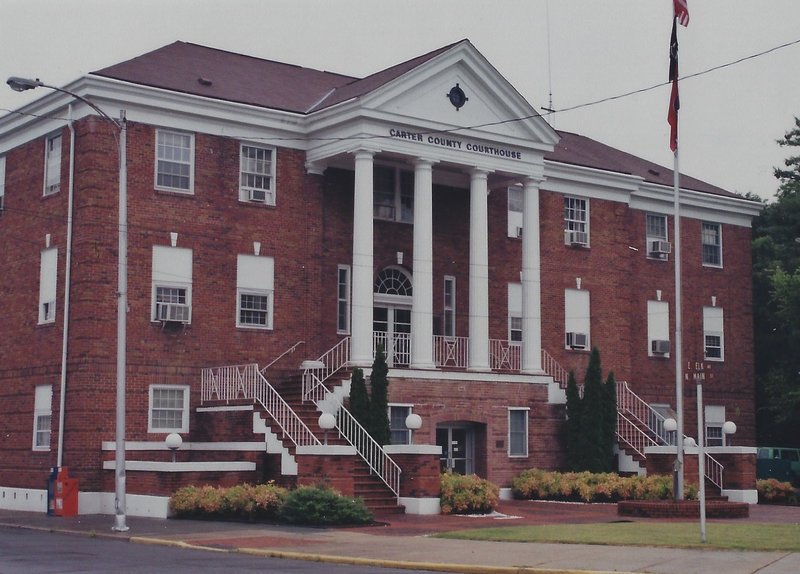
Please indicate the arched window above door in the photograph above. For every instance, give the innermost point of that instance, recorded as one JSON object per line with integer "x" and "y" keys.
{"x": 393, "y": 281}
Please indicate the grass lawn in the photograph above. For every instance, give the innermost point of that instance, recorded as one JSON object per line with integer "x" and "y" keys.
{"x": 732, "y": 536}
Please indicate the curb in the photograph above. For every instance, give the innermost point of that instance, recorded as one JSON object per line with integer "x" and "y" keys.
{"x": 324, "y": 558}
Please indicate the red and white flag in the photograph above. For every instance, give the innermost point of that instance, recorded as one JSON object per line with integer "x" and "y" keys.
{"x": 681, "y": 11}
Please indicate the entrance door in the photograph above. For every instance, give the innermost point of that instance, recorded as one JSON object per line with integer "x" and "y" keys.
{"x": 392, "y": 328}
{"x": 457, "y": 442}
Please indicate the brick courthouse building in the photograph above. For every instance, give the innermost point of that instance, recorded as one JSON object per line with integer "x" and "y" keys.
{"x": 294, "y": 219}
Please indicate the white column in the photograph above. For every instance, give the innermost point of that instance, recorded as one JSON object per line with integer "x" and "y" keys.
{"x": 422, "y": 294}
{"x": 361, "y": 307}
{"x": 478, "y": 272}
{"x": 531, "y": 280}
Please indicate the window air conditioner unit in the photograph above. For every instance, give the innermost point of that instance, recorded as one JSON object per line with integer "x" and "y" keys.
{"x": 576, "y": 340}
{"x": 660, "y": 347}
{"x": 259, "y": 195}
{"x": 660, "y": 248}
{"x": 519, "y": 231}
{"x": 172, "y": 312}
{"x": 576, "y": 238}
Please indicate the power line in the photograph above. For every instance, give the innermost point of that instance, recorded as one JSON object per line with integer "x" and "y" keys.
{"x": 489, "y": 124}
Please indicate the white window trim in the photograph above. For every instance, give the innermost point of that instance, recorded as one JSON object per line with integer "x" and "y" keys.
{"x": 185, "y": 418}
{"x": 260, "y": 293}
{"x": 47, "y": 307}
{"x": 702, "y": 244}
{"x": 244, "y": 191}
{"x": 167, "y": 285}
{"x": 55, "y": 187}
{"x": 650, "y": 238}
{"x": 410, "y": 407}
{"x": 452, "y": 307}
{"x": 397, "y": 195}
{"x": 40, "y": 410}
{"x": 714, "y": 333}
{"x": 343, "y": 301}
{"x": 527, "y": 431}
{"x": 584, "y": 223}
{"x": 190, "y": 190}
{"x": 515, "y": 217}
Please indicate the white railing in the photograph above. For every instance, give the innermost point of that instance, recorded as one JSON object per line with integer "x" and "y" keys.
{"x": 630, "y": 403}
{"x": 450, "y": 351}
{"x": 368, "y": 449}
{"x": 629, "y": 433}
{"x": 397, "y": 348}
{"x": 328, "y": 365}
{"x": 504, "y": 355}
{"x": 644, "y": 415}
{"x": 552, "y": 368}
{"x": 288, "y": 351}
{"x": 246, "y": 382}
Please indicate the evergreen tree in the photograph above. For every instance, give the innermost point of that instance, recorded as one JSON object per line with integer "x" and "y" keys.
{"x": 610, "y": 412}
{"x": 593, "y": 416}
{"x": 379, "y": 401}
{"x": 575, "y": 442}
{"x": 359, "y": 399}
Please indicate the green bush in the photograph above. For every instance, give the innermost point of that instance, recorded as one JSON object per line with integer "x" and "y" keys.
{"x": 537, "y": 484}
{"x": 319, "y": 505}
{"x": 773, "y": 491}
{"x": 462, "y": 494}
{"x": 245, "y": 501}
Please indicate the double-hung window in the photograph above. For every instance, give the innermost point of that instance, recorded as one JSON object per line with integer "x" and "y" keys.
{"x": 393, "y": 197}
{"x": 576, "y": 221}
{"x": 255, "y": 284}
{"x": 257, "y": 174}
{"x": 172, "y": 284}
{"x": 515, "y": 204}
{"x": 169, "y": 409}
{"x": 577, "y": 319}
{"x": 515, "y": 313}
{"x": 399, "y": 433}
{"x": 47, "y": 285}
{"x": 517, "y": 431}
{"x": 712, "y": 244}
{"x": 343, "y": 299}
{"x": 449, "y": 315}
{"x": 52, "y": 165}
{"x": 658, "y": 246}
{"x": 42, "y": 416}
{"x": 174, "y": 161}
{"x": 713, "y": 334}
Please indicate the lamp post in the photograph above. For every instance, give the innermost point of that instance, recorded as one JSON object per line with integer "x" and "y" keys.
{"x": 671, "y": 425}
{"x": 326, "y": 422}
{"x": 20, "y": 85}
{"x": 413, "y": 423}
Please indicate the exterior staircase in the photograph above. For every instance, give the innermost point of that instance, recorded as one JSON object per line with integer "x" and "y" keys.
{"x": 292, "y": 407}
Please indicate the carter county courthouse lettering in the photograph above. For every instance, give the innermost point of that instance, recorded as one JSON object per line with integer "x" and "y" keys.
{"x": 283, "y": 223}
{"x": 454, "y": 143}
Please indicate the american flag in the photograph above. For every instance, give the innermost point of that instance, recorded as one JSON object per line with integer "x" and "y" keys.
{"x": 681, "y": 11}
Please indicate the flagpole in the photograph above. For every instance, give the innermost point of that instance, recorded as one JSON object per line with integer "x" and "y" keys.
{"x": 676, "y": 178}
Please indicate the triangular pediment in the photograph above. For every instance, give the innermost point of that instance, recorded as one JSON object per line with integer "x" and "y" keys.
{"x": 493, "y": 109}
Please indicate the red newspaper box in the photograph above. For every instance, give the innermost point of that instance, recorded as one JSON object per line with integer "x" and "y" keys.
{"x": 66, "y": 494}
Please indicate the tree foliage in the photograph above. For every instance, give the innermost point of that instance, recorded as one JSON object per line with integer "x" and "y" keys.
{"x": 379, "y": 401}
{"x": 591, "y": 420}
{"x": 359, "y": 398}
{"x": 776, "y": 305}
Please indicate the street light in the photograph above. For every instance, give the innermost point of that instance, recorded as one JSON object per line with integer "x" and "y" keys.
{"x": 20, "y": 85}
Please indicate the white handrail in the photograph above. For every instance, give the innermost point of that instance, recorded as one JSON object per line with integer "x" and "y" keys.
{"x": 554, "y": 369}
{"x": 629, "y": 402}
{"x": 349, "y": 428}
{"x": 450, "y": 351}
{"x": 504, "y": 355}
{"x": 282, "y": 355}
{"x": 246, "y": 382}
{"x": 328, "y": 364}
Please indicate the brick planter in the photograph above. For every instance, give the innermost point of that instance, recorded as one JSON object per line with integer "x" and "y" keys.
{"x": 682, "y": 509}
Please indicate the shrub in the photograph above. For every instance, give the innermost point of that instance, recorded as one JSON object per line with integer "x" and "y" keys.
{"x": 319, "y": 505}
{"x": 773, "y": 491}
{"x": 537, "y": 484}
{"x": 245, "y": 501}
{"x": 470, "y": 494}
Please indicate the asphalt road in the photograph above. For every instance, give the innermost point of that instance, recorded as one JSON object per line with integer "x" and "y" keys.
{"x": 38, "y": 552}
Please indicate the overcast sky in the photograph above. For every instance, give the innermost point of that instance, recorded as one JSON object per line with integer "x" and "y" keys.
{"x": 730, "y": 118}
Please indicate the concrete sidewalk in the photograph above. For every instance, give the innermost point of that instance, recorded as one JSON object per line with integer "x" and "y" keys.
{"x": 405, "y": 541}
